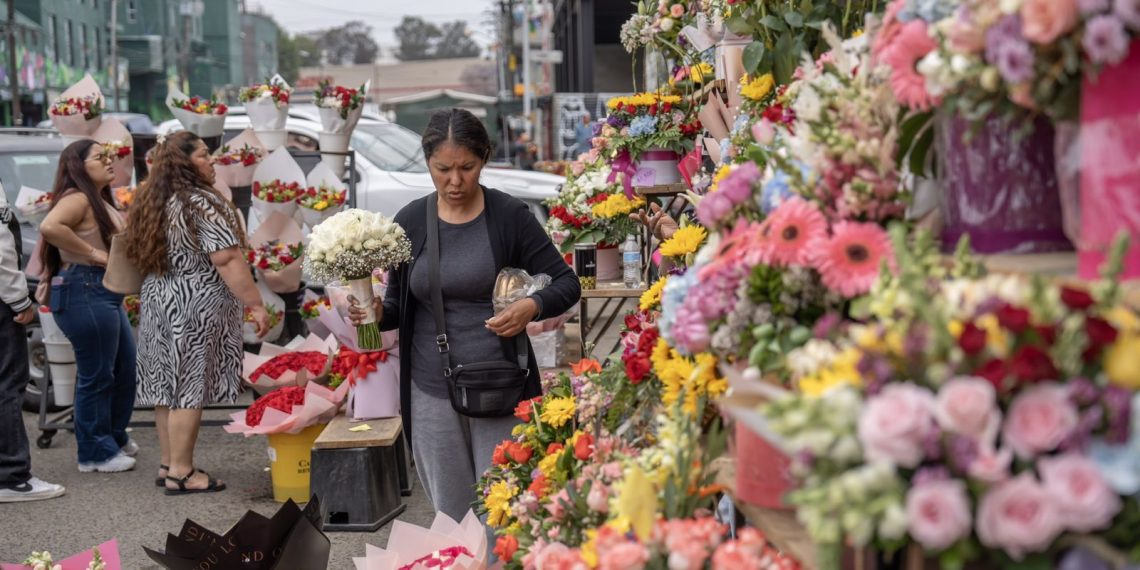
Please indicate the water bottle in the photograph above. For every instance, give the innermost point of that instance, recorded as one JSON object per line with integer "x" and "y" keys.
{"x": 631, "y": 262}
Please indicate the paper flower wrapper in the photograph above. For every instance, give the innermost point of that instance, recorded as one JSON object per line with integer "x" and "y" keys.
{"x": 333, "y": 122}
{"x": 320, "y": 406}
{"x": 204, "y": 125}
{"x": 418, "y": 548}
{"x": 264, "y": 383}
{"x": 315, "y": 326}
{"x": 269, "y": 299}
{"x": 109, "y": 551}
{"x": 113, "y": 134}
{"x": 78, "y": 125}
{"x": 265, "y": 114}
{"x": 281, "y": 229}
{"x": 278, "y": 167}
{"x": 341, "y": 327}
{"x": 32, "y": 204}
{"x": 321, "y": 174}
{"x": 239, "y": 174}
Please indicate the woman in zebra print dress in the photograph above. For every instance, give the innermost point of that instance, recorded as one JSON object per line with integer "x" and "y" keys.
{"x": 188, "y": 242}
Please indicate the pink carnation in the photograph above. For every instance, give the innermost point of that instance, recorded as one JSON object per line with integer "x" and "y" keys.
{"x": 938, "y": 513}
{"x": 894, "y": 424}
{"x": 1085, "y": 501}
{"x": 1018, "y": 516}
{"x": 1043, "y": 21}
{"x": 1038, "y": 420}
{"x": 624, "y": 556}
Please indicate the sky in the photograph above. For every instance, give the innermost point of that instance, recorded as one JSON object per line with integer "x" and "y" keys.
{"x": 382, "y": 15}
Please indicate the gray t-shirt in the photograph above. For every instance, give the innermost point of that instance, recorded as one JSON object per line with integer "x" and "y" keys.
{"x": 467, "y": 279}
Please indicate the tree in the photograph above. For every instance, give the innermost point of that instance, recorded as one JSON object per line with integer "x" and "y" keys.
{"x": 348, "y": 44}
{"x": 295, "y": 52}
{"x": 417, "y": 39}
{"x": 482, "y": 79}
{"x": 308, "y": 49}
{"x": 456, "y": 42}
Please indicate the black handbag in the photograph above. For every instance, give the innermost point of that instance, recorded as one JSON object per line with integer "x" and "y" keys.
{"x": 490, "y": 389}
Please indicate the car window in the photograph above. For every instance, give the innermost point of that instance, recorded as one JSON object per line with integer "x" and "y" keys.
{"x": 32, "y": 169}
{"x": 389, "y": 147}
{"x": 302, "y": 142}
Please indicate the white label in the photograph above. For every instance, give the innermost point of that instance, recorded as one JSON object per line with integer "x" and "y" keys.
{"x": 272, "y": 455}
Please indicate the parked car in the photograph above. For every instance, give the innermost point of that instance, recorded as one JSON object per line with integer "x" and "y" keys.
{"x": 30, "y": 161}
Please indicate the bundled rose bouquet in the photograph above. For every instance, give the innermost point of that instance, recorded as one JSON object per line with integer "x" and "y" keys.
{"x": 277, "y": 192}
{"x": 350, "y": 246}
{"x": 203, "y": 116}
{"x": 268, "y": 106}
{"x": 201, "y": 106}
{"x": 340, "y": 106}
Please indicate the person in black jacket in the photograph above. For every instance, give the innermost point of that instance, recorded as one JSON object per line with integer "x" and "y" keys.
{"x": 481, "y": 232}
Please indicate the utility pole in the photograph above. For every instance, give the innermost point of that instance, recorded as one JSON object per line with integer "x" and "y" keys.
{"x": 14, "y": 70}
{"x": 526, "y": 65}
{"x": 115, "y": 51}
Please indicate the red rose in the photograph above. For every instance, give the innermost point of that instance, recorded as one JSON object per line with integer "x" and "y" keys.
{"x": 1031, "y": 364}
{"x": 647, "y": 341}
{"x": 1013, "y": 318}
{"x": 519, "y": 453}
{"x": 636, "y": 368}
{"x": 653, "y": 110}
{"x": 221, "y": 109}
{"x": 632, "y": 322}
{"x": 1100, "y": 332}
{"x": 525, "y": 408}
{"x": 505, "y": 547}
{"x": 193, "y": 101}
{"x": 499, "y": 457}
{"x": 1048, "y": 333}
{"x": 972, "y": 340}
{"x": 1076, "y": 299}
{"x": 540, "y": 486}
{"x": 554, "y": 448}
{"x": 584, "y": 447}
{"x": 995, "y": 371}
{"x": 666, "y": 106}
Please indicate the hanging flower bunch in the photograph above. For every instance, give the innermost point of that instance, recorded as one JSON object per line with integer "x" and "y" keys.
{"x": 114, "y": 150}
{"x": 88, "y": 107}
{"x": 343, "y": 99}
{"x": 658, "y": 24}
{"x": 647, "y": 121}
{"x": 201, "y": 105}
{"x": 247, "y": 155}
{"x": 274, "y": 255}
{"x": 277, "y": 192}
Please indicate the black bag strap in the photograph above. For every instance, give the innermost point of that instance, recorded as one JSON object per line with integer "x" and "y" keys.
{"x": 432, "y": 247}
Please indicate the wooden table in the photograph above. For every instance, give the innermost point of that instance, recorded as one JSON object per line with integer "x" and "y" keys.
{"x": 615, "y": 294}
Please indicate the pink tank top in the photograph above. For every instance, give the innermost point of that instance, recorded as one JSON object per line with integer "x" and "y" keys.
{"x": 92, "y": 238}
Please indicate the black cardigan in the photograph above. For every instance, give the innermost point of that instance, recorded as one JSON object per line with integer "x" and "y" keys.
{"x": 518, "y": 241}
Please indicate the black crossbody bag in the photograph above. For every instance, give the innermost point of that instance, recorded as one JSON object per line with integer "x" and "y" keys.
{"x": 488, "y": 389}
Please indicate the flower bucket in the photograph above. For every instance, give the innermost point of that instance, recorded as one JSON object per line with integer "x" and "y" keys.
{"x": 334, "y": 142}
{"x": 1000, "y": 187}
{"x": 273, "y": 139}
{"x": 1110, "y": 173}
{"x": 289, "y": 458}
{"x": 61, "y": 362}
{"x": 762, "y": 471}
{"x": 609, "y": 263}
{"x": 656, "y": 166}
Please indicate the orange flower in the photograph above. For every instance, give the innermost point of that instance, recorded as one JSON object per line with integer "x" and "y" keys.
{"x": 540, "y": 486}
{"x": 554, "y": 448}
{"x": 505, "y": 547}
{"x": 584, "y": 446}
{"x": 586, "y": 365}
{"x": 499, "y": 457}
{"x": 525, "y": 407}
{"x": 519, "y": 453}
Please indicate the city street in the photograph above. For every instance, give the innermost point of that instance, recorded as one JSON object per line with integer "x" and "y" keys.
{"x": 127, "y": 506}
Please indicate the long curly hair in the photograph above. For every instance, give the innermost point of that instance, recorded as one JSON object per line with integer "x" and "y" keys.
{"x": 172, "y": 176}
{"x": 71, "y": 176}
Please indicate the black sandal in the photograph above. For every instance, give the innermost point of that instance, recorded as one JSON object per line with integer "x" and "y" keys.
{"x": 161, "y": 481}
{"x": 213, "y": 487}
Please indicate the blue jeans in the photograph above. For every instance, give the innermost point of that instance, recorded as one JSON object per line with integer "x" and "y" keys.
{"x": 96, "y": 324}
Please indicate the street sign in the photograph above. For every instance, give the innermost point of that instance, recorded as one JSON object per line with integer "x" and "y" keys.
{"x": 546, "y": 56}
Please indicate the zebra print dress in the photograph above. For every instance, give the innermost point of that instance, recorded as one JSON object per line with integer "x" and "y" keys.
{"x": 190, "y": 339}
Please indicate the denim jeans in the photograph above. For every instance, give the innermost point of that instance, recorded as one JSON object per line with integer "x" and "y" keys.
{"x": 95, "y": 322}
{"x": 15, "y": 461}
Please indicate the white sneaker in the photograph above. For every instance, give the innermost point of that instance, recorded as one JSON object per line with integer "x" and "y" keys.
{"x": 116, "y": 464}
{"x": 131, "y": 449}
{"x": 33, "y": 490}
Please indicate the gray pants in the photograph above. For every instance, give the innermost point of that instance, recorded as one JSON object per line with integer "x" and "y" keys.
{"x": 452, "y": 451}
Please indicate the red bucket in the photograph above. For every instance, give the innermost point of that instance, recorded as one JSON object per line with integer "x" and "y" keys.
{"x": 763, "y": 472}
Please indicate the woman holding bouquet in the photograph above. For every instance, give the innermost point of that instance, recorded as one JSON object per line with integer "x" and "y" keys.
{"x": 481, "y": 231}
{"x": 188, "y": 242}
{"x": 76, "y": 234}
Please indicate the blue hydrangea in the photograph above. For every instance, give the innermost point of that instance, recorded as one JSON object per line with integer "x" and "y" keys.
{"x": 644, "y": 125}
{"x": 778, "y": 188}
{"x": 742, "y": 122}
{"x": 928, "y": 11}
{"x": 671, "y": 299}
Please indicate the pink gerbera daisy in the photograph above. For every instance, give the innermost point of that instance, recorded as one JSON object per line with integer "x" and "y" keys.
{"x": 849, "y": 261}
{"x": 790, "y": 229}
{"x": 911, "y": 44}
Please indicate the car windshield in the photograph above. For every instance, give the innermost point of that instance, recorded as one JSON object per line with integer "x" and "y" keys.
{"x": 34, "y": 169}
{"x": 389, "y": 147}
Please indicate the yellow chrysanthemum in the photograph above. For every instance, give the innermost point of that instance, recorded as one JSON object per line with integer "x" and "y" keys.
{"x": 518, "y": 429}
{"x": 615, "y": 102}
{"x": 686, "y": 241}
{"x": 721, "y": 174}
{"x": 549, "y": 464}
{"x": 558, "y": 411}
{"x": 616, "y": 205}
{"x": 758, "y": 88}
{"x": 701, "y": 72}
{"x": 651, "y": 298}
{"x": 498, "y": 503}
{"x": 671, "y": 99}
{"x": 842, "y": 370}
{"x": 703, "y": 381}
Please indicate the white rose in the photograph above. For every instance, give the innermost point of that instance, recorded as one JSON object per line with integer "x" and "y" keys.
{"x": 666, "y": 24}
{"x": 894, "y": 522}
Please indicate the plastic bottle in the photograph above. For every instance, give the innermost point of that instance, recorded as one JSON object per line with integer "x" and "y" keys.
{"x": 631, "y": 262}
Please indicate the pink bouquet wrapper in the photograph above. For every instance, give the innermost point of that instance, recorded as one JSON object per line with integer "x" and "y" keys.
{"x": 344, "y": 333}
{"x": 377, "y": 395}
{"x": 283, "y": 229}
{"x": 279, "y": 165}
{"x": 321, "y": 405}
{"x": 108, "y": 550}
{"x": 111, "y": 130}
{"x": 408, "y": 544}
{"x": 78, "y": 125}
{"x": 315, "y": 326}
{"x": 1110, "y": 173}
{"x": 312, "y": 343}
{"x": 241, "y": 175}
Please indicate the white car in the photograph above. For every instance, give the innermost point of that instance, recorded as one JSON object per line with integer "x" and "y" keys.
{"x": 390, "y": 165}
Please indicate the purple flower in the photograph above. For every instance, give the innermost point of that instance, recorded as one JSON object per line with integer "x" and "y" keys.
{"x": 737, "y": 186}
{"x": 615, "y": 121}
{"x": 963, "y": 451}
{"x": 932, "y": 445}
{"x": 826, "y": 324}
{"x": 1118, "y": 408}
{"x": 1005, "y": 32}
{"x": 1129, "y": 11}
{"x": 1105, "y": 40}
{"x": 596, "y": 128}
{"x": 1081, "y": 559}
{"x": 1092, "y": 7}
{"x": 1083, "y": 392}
{"x": 712, "y": 208}
{"x": 1015, "y": 62}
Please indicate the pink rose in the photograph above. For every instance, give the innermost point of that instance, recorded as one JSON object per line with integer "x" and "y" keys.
{"x": 556, "y": 507}
{"x": 894, "y": 424}
{"x": 991, "y": 466}
{"x": 968, "y": 406}
{"x": 624, "y": 556}
{"x": 689, "y": 556}
{"x": 1085, "y": 501}
{"x": 578, "y": 167}
{"x": 763, "y": 132}
{"x": 967, "y": 38}
{"x": 598, "y": 498}
{"x": 1038, "y": 420}
{"x": 558, "y": 556}
{"x": 1043, "y": 21}
{"x": 1018, "y": 516}
{"x": 938, "y": 513}
{"x": 676, "y": 10}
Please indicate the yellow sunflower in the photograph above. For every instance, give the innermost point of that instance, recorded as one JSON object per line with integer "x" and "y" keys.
{"x": 758, "y": 88}
{"x": 651, "y": 298}
{"x": 685, "y": 242}
{"x": 701, "y": 72}
{"x": 557, "y": 411}
{"x": 498, "y": 503}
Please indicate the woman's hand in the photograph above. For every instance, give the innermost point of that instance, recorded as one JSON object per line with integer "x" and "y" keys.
{"x": 514, "y": 319}
{"x": 357, "y": 314}
{"x": 661, "y": 225}
{"x": 97, "y": 257}
{"x": 260, "y": 319}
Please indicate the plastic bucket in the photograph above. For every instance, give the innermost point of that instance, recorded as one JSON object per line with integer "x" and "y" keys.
{"x": 334, "y": 142}
{"x": 762, "y": 471}
{"x": 273, "y": 139}
{"x": 61, "y": 361}
{"x": 289, "y": 457}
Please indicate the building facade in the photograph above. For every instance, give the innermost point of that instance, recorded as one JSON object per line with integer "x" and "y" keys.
{"x": 162, "y": 40}
{"x": 221, "y": 32}
{"x": 259, "y": 47}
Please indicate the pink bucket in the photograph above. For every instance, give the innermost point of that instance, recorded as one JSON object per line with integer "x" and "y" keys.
{"x": 763, "y": 473}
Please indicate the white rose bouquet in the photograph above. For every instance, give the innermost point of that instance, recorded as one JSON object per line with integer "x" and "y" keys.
{"x": 349, "y": 246}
